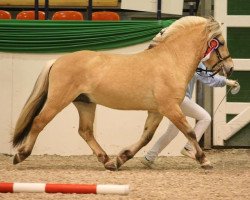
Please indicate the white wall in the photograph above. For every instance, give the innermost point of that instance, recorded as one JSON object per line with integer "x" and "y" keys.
{"x": 174, "y": 7}
{"x": 114, "y": 129}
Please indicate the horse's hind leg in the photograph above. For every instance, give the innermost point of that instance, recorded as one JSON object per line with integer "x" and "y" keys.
{"x": 179, "y": 120}
{"x": 59, "y": 96}
{"x": 151, "y": 124}
{"x": 49, "y": 111}
{"x": 86, "y": 119}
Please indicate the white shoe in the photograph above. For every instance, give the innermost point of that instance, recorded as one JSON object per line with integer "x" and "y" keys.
{"x": 188, "y": 153}
{"x": 146, "y": 162}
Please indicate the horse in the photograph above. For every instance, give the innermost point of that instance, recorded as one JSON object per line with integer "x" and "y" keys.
{"x": 154, "y": 80}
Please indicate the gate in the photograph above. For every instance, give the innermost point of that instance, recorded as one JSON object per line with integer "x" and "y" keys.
{"x": 231, "y": 126}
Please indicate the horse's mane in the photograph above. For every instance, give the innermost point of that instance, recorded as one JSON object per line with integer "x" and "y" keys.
{"x": 213, "y": 28}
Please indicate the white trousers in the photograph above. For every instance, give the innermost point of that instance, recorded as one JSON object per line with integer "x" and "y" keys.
{"x": 190, "y": 109}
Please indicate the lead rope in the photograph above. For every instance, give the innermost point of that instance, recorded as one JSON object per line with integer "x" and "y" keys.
{"x": 222, "y": 100}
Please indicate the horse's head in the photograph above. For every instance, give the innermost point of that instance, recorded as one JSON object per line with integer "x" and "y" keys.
{"x": 217, "y": 57}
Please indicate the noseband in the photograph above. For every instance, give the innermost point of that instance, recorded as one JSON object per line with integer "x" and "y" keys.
{"x": 214, "y": 45}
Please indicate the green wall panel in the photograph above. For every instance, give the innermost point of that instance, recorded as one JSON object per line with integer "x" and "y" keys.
{"x": 243, "y": 78}
{"x": 238, "y": 40}
{"x": 238, "y": 7}
{"x": 241, "y": 138}
{"x": 229, "y": 117}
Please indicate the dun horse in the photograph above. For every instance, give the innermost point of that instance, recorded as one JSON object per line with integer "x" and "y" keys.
{"x": 154, "y": 80}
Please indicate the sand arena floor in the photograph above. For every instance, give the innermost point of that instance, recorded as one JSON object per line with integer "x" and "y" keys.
{"x": 172, "y": 177}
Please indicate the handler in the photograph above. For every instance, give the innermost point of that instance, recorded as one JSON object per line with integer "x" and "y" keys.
{"x": 190, "y": 109}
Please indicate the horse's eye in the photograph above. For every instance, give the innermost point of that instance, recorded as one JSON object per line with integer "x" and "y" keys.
{"x": 221, "y": 43}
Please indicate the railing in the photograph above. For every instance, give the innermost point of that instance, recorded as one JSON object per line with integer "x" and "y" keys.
{"x": 83, "y": 5}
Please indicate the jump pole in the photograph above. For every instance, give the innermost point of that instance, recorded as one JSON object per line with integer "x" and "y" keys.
{"x": 63, "y": 188}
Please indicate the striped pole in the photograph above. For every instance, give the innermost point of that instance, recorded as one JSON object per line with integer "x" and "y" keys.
{"x": 64, "y": 188}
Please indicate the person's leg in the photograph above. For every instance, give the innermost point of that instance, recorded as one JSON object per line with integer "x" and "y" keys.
{"x": 162, "y": 142}
{"x": 190, "y": 109}
{"x": 193, "y": 110}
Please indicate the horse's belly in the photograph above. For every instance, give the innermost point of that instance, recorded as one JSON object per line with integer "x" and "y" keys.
{"x": 125, "y": 102}
{"x": 127, "y": 88}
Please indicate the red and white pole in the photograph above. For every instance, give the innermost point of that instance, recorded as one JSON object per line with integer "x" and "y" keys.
{"x": 64, "y": 188}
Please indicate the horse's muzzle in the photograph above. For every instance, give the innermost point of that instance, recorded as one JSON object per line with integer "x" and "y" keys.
{"x": 227, "y": 71}
{"x": 230, "y": 71}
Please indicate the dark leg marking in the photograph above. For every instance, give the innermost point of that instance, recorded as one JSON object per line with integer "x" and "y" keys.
{"x": 200, "y": 157}
{"x": 102, "y": 158}
{"x": 123, "y": 157}
{"x": 192, "y": 135}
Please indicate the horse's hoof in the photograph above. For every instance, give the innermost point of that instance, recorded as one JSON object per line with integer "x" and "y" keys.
{"x": 16, "y": 159}
{"x": 19, "y": 157}
{"x": 207, "y": 165}
{"x": 110, "y": 166}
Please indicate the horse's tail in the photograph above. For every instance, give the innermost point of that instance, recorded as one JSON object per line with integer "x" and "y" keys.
{"x": 32, "y": 107}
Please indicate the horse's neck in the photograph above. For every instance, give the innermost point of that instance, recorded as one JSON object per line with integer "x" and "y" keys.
{"x": 187, "y": 48}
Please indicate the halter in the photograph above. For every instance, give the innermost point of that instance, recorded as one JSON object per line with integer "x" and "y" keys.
{"x": 213, "y": 45}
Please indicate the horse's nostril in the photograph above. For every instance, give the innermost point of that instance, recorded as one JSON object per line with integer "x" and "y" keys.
{"x": 230, "y": 71}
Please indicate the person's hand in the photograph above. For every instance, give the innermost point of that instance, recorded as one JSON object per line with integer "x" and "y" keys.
{"x": 235, "y": 86}
{"x": 232, "y": 83}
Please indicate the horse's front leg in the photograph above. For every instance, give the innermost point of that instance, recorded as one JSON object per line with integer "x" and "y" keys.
{"x": 151, "y": 124}
{"x": 86, "y": 119}
{"x": 175, "y": 114}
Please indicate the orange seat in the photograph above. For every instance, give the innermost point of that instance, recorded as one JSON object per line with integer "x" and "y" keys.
{"x": 105, "y": 15}
{"x": 5, "y": 14}
{"x": 67, "y": 15}
{"x": 30, "y": 15}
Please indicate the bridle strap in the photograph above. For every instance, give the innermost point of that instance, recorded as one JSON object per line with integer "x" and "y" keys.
{"x": 220, "y": 59}
{"x": 213, "y": 72}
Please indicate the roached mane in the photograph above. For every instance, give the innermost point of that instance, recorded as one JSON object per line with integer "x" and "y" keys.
{"x": 213, "y": 28}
